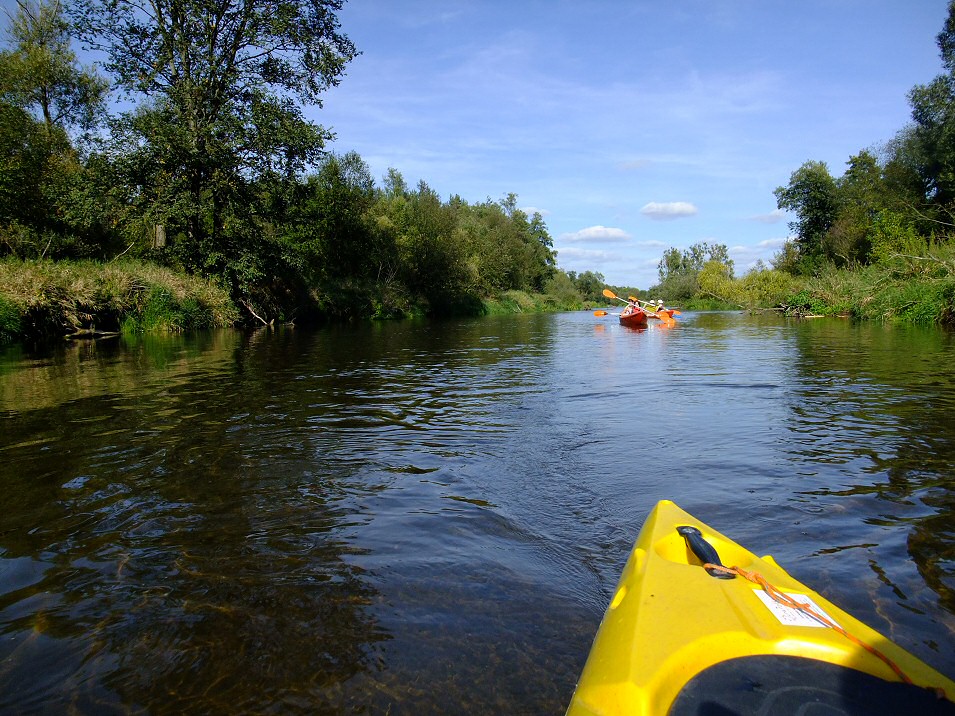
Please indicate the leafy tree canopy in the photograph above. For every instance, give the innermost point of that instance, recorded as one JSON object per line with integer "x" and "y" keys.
{"x": 811, "y": 195}
{"x": 223, "y": 80}
{"x": 40, "y": 71}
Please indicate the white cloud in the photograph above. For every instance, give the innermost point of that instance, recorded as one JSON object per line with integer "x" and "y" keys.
{"x": 747, "y": 256}
{"x": 573, "y": 258}
{"x": 531, "y": 210}
{"x": 668, "y": 210}
{"x": 633, "y": 164}
{"x": 597, "y": 233}
{"x": 572, "y": 252}
{"x": 775, "y": 216}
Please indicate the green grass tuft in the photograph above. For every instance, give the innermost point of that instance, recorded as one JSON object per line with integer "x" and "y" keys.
{"x": 50, "y": 298}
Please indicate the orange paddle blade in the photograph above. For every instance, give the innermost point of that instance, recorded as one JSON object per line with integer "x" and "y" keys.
{"x": 665, "y": 317}
{"x": 600, "y": 313}
{"x": 609, "y": 294}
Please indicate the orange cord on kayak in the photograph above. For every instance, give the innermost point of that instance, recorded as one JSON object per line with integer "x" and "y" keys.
{"x": 788, "y": 601}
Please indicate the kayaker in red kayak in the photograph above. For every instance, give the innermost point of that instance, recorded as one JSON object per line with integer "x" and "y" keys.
{"x": 633, "y": 315}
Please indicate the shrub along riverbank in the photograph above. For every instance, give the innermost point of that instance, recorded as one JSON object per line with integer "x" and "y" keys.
{"x": 45, "y": 299}
{"x": 917, "y": 286}
{"x": 874, "y": 293}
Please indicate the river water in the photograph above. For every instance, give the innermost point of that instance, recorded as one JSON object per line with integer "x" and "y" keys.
{"x": 430, "y": 517}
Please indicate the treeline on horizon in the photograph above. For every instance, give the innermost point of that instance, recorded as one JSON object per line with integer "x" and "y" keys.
{"x": 208, "y": 170}
{"x": 875, "y": 242}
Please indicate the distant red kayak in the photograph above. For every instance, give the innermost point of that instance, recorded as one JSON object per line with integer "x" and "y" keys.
{"x": 633, "y": 317}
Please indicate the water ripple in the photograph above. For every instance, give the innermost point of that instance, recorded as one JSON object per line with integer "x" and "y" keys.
{"x": 355, "y": 512}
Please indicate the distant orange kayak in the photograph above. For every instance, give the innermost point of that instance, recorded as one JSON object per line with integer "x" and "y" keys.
{"x": 633, "y": 317}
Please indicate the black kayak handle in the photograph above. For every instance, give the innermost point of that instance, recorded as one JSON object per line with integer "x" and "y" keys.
{"x": 704, "y": 551}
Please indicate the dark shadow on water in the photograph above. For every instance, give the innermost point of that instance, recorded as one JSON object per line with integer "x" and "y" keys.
{"x": 430, "y": 516}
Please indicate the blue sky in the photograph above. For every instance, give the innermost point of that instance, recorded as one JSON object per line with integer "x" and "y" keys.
{"x": 631, "y": 126}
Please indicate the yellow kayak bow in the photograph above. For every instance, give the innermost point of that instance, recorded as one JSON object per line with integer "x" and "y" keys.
{"x": 681, "y": 638}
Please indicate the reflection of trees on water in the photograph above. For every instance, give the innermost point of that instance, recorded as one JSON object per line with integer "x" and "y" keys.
{"x": 932, "y": 546}
{"x": 884, "y": 398}
{"x": 186, "y": 556}
{"x": 190, "y": 508}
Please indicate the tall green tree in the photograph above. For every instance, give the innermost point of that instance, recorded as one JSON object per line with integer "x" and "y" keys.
{"x": 933, "y": 113}
{"x": 431, "y": 251}
{"x": 813, "y": 195}
{"x": 44, "y": 96}
{"x": 861, "y": 196}
{"x": 23, "y": 159}
{"x": 331, "y": 218}
{"x": 905, "y": 184}
{"x": 506, "y": 249}
{"x": 589, "y": 284}
{"x": 679, "y": 271}
{"x": 675, "y": 262}
{"x": 224, "y": 83}
{"x": 40, "y": 71}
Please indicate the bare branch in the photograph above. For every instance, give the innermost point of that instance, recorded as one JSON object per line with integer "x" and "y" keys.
{"x": 256, "y": 315}
{"x": 929, "y": 218}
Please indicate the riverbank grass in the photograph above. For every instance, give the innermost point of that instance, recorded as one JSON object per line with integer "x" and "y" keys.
{"x": 48, "y": 298}
{"x": 511, "y": 302}
{"x": 911, "y": 288}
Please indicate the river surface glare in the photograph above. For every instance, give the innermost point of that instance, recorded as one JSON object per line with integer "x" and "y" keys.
{"x": 431, "y": 517}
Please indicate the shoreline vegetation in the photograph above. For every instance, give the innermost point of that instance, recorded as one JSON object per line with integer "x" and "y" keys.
{"x": 52, "y": 299}
{"x": 207, "y": 199}
{"x": 44, "y": 300}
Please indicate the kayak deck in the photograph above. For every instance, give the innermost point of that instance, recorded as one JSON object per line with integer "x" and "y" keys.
{"x": 673, "y": 632}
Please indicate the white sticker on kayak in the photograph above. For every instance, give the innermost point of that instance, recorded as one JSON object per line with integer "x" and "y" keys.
{"x": 790, "y": 616}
